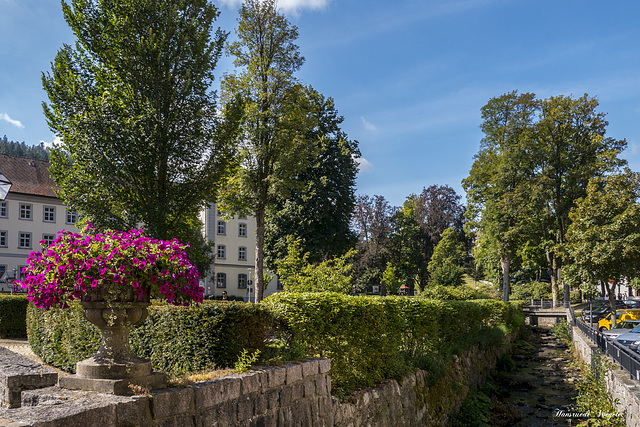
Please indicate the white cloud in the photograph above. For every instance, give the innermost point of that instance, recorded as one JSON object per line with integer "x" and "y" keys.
{"x": 56, "y": 141}
{"x": 6, "y": 118}
{"x": 368, "y": 125}
{"x": 364, "y": 165}
{"x": 284, "y": 5}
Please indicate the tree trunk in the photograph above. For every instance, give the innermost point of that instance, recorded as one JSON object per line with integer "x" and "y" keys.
{"x": 506, "y": 263}
{"x": 259, "y": 279}
{"x": 553, "y": 273}
{"x": 611, "y": 289}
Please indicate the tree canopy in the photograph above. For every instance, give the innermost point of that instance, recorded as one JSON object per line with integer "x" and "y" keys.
{"x": 277, "y": 116}
{"x": 142, "y": 139}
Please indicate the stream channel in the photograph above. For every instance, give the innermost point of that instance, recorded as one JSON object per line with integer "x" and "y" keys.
{"x": 539, "y": 383}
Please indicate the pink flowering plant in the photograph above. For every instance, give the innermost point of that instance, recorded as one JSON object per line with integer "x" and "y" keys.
{"x": 116, "y": 267}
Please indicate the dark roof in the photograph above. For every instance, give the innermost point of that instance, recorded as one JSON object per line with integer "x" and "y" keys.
{"x": 27, "y": 176}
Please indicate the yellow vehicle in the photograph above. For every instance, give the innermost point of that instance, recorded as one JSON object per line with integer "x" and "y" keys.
{"x": 626, "y": 314}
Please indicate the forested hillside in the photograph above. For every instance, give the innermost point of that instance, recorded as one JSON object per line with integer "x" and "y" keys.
{"x": 21, "y": 149}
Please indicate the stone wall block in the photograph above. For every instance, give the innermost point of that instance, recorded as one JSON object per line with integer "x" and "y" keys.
{"x": 215, "y": 392}
{"x": 310, "y": 367}
{"x": 245, "y": 407}
{"x": 178, "y": 421}
{"x": 273, "y": 399}
{"x": 266, "y": 420}
{"x": 260, "y": 404}
{"x": 172, "y": 402}
{"x": 321, "y": 385}
{"x": 285, "y": 417}
{"x": 324, "y": 365}
{"x": 309, "y": 387}
{"x": 135, "y": 413}
{"x": 276, "y": 377}
{"x": 250, "y": 383}
{"x": 285, "y": 396}
{"x": 297, "y": 392}
{"x": 294, "y": 373}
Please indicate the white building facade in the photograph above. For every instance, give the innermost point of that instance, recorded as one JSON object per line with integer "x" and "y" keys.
{"x": 234, "y": 268}
{"x": 29, "y": 213}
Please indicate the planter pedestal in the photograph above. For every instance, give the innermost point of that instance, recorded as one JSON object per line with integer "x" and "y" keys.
{"x": 114, "y": 368}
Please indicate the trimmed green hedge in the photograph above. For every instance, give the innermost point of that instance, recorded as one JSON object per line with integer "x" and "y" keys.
{"x": 177, "y": 340}
{"x": 370, "y": 339}
{"x": 13, "y": 316}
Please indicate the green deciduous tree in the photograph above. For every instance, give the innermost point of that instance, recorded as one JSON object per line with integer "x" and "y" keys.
{"x": 142, "y": 142}
{"x": 274, "y": 144}
{"x": 571, "y": 148}
{"x": 603, "y": 240}
{"x": 298, "y": 275}
{"x": 497, "y": 185}
{"x": 319, "y": 210}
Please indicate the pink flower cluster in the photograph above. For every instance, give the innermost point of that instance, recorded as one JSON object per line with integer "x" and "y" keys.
{"x": 112, "y": 264}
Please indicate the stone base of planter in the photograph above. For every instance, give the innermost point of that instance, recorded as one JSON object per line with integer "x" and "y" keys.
{"x": 138, "y": 385}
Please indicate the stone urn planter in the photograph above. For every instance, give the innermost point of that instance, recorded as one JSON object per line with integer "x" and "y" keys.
{"x": 114, "y": 368}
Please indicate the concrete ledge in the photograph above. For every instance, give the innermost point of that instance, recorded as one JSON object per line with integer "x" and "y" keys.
{"x": 123, "y": 387}
{"x": 19, "y": 373}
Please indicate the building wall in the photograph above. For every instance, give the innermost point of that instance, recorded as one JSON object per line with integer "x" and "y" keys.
{"x": 232, "y": 272}
{"x": 12, "y": 256}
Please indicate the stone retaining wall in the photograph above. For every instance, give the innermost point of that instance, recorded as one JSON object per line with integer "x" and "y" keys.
{"x": 297, "y": 394}
{"x": 619, "y": 384}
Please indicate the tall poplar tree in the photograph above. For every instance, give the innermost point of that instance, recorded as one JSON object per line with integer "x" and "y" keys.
{"x": 274, "y": 146}
{"x": 142, "y": 141}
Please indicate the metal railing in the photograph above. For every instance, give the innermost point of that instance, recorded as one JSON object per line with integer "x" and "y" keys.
{"x": 628, "y": 359}
{"x": 546, "y": 303}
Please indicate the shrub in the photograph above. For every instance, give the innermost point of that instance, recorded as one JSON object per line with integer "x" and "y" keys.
{"x": 13, "y": 316}
{"x": 370, "y": 339}
{"x": 452, "y": 293}
{"x": 177, "y": 340}
{"x": 530, "y": 290}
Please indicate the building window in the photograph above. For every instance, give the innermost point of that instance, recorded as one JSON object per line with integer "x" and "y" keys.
{"x": 47, "y": 239}
{"x": 24, "y": 240}
{"x": 242, "y": 281}
{"x": 4, "y": 212}
{"x": 3, "y": 239}
{"x": 242, "y": 229}
{"x": 242, "y": 253}
{"x": 221, "y": 280}
{"x": 20, "y": 273}
{"x": 222, "y": 227}
{"x": 25, "y": 211}
{"x": 49, "y": 214}
{"x": 72, "y": 217}
{"x": 279, "y": 285}
{"x": 222, "y": 252}
{"x": 3, "y": 269}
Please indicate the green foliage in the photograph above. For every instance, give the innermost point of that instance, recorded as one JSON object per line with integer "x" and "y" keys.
{"x": 603, "y": 239}
{"x": 447, "y": 274}
{"x": 278, "y": 114}
{"x": 530, "y": 290}
{"x": 319, "y": 209}
{"x": 391, "y": 280}
{"x": 246, "y": 360}
{"x": 475, "y": 411}
{"x": 142, "y": 141}
{"x": 562, "y": 331}
{"x": 298, "y": 275}
{"x": 177, "y": 340}
{"x": 13, "y": 316}
{"x": 369, "y": 339}
{"x": 593, "y": 397}
{"x": 460, "y": 293}
{"x": 450, "y": 250}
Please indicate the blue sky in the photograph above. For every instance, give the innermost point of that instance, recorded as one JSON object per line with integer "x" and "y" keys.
{"x": 409, "y": 76}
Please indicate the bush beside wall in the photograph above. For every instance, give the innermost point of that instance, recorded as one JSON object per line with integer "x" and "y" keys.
{"x": 13, "y": 315}
{"x": 177, "y": 340}
{"x": 370, "y": 339}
